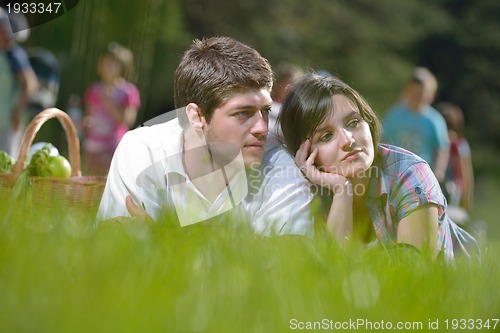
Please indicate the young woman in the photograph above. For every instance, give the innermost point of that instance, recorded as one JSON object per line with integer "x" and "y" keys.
{"x": 381, "y": 193}
{"x": 459, "y": 178}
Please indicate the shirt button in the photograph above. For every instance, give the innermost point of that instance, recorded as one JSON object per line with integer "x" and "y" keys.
{"x": 418, "y": 190}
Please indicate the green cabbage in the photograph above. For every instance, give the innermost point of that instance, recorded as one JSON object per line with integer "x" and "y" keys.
{"x": 38, "y": 166}
{"x": 6, "y": 162}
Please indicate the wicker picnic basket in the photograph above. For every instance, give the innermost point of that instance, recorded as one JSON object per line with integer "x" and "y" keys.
{"x": 77, "y": 191}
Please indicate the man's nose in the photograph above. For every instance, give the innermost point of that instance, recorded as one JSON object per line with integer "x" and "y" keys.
{"x": 260, "y": 127}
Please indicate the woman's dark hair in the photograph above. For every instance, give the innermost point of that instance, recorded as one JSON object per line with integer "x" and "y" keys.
{"x": 310, "y": 101}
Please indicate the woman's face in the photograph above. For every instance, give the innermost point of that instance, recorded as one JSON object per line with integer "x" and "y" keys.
{"x": 344, "y": 141}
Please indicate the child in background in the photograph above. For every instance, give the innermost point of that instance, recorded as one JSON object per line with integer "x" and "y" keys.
{"x": 111, "y": 107}
{"x": 459, "y": 179}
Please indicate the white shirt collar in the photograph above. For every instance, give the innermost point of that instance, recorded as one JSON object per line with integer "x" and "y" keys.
{"x": 190, "y": 204}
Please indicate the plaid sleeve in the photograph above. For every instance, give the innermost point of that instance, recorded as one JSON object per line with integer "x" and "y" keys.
{"x": 417, "y": 187}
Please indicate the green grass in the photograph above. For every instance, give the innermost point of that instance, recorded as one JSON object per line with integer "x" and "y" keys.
{"x": 486, "y": 210}
{"x": 60, "y": 274}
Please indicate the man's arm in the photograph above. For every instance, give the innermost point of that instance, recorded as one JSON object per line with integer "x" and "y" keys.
{"x": 133, "y": 172}
{"x": 285, "y": 197}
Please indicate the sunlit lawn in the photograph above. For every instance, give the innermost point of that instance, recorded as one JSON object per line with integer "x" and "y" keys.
{"x": 60, "y": 274}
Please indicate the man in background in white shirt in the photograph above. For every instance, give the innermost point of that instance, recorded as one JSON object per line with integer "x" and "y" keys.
{"x": 213, "y": 160}
{"x": 285, "y": 74}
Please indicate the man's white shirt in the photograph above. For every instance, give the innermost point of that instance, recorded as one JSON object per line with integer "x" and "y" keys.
{"x": 147, "y": 164}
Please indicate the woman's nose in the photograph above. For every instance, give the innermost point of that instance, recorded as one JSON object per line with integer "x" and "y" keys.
{"x": 346, "y": 139}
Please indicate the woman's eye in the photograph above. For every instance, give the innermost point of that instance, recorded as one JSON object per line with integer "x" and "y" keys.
{"x": 353, "y": 123}
{"x": 326, "y": 137}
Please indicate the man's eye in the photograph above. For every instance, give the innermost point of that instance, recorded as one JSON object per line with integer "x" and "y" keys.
{"x": 266, "y": 111}
{"x": 242, "y": 114}
{"x": 326, "y": 137}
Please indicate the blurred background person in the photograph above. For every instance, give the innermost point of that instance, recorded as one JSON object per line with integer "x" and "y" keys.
{"x": 415, "y": 125}
{"x": 75, "y": 112}
{"x": 18, "y": 81}
{"x": 111, "y": 107}
{"x": 459, "y": 177}
{"x": 47, "y": 69}
{"x": 284, "y": 75}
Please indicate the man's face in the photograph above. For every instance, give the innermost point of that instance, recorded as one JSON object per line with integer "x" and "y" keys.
{"x": 415, "y": 96}
{"x": 242, "y": 122}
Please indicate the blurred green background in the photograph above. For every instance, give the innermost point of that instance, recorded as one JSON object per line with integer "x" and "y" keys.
{"x": 371, "y": 44}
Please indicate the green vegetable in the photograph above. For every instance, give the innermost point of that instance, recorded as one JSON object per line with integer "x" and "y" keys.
{"x": 42, "y": 164}
{"x": 39, "y": 162}
{"x": 39, "y": 145}
{"x": 6, "y": 162}
{"x": 59, "y": 167}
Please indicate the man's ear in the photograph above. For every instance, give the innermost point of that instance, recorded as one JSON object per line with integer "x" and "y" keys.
{"x": 195, "y": 116}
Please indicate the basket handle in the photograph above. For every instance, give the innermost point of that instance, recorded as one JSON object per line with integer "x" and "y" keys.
{"x": 33, "y": 128}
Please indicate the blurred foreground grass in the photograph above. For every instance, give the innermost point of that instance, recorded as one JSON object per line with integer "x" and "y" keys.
{"x": 60, "y": 274}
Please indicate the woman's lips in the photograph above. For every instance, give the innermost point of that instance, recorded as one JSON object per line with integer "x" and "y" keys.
{"x": 353, "y": 155}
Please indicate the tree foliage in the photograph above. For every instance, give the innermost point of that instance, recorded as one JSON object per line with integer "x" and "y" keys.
{"x": 370, "y": 44}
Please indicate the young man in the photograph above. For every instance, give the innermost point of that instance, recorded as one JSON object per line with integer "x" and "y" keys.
{"x": 212, "y": 161}
{"x": 415, "y": 125}
{"x": 285, "y": 75}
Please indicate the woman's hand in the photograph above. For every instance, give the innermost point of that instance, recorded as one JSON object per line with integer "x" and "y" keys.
{"x": 339, "y": 220}
{"x": 334, "y": 182}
